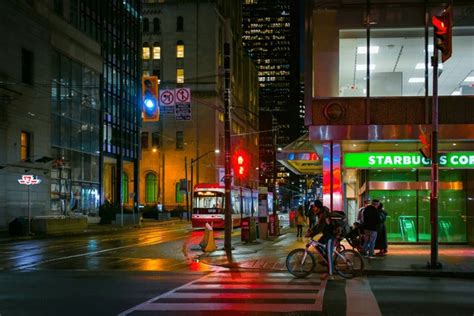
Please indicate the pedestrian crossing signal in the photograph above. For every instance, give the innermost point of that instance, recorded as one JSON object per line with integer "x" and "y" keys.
{"x": 151, "y": 111}
{"x": 425, "y": 149}
{"x": 240, "y": 164}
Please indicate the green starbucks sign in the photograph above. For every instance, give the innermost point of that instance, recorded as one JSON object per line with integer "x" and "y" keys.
{"x": 402, "y": 160}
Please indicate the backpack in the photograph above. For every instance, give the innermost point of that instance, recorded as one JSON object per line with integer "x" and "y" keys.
{"x": 339, "y": 221}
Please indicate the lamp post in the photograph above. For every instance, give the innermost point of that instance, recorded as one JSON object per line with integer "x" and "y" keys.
{"x": 216, "y": 151}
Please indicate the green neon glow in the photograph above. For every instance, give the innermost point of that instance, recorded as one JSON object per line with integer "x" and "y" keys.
{"x": 402, "y": 160}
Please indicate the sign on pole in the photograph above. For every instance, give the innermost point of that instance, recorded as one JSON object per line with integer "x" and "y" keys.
{"x": 167, "y": 97}
{"x": 183, "y": 95}
{"x": 183, "y": 111}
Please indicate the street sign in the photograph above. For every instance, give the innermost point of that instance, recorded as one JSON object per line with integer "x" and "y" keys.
{"x": 167, "y": 97}
{"x": 183, "y": 95}
{"x": 183, "y": 111}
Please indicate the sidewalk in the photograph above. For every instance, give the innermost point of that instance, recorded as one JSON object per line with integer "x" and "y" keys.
{"x": 402, "y": 260}
{"x": 93, "y": 229}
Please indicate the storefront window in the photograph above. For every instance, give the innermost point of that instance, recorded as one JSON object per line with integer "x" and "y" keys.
{"x": 408, "y": 217}
{"x": 395, "y": 61}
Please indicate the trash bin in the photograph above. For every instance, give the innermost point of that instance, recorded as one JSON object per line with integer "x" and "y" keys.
{"x": 18, "y": 227}
{"x": 262, "y": 227}
{"x": 274, "y": 225}
{"x": 245, "y": 229}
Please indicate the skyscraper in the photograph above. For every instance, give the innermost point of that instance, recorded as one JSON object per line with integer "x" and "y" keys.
{"x": 270, "y": 35}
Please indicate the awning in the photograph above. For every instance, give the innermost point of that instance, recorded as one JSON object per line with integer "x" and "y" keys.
{"x": 301, "y": 157}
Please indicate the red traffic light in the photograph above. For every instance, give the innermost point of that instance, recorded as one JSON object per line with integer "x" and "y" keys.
{"x": 443, "y": 33}
{"x": 440, "y": 25}
{"x": 240, "y": 164}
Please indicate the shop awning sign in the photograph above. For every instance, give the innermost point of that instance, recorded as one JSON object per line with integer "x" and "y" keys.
{"x": 403, "y": 160}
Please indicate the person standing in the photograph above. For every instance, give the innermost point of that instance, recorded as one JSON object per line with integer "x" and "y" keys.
{"x": 371, "y": 221}
{"x": 311, "y": 215}
{"x": 381, "y": 242}
{"x": 361, "y": 210}
{"x": 300, "y": 222}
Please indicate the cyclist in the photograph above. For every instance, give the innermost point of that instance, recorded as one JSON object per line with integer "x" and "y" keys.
{"x": 326, "y": 227}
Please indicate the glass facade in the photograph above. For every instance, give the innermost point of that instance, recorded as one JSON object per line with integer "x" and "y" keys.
{"x": 397, "y": 62}
{"x": 75, "y": 137}
{"x": 408, "y": 217}
{"x": 115, "y": 25}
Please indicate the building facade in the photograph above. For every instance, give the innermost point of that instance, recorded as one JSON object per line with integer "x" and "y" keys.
{"x": 182, "y": 44}
{"x": 69, "y": 96}
{"x": 368, "y": 100}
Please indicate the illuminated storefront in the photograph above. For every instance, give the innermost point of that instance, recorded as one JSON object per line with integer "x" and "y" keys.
{"x": 370, "y": 100}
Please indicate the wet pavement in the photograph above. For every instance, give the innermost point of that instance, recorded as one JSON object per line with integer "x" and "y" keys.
{"x": 402, "y": 259}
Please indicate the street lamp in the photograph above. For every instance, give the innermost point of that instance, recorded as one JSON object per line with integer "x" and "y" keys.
{"x": 216, "y": 151}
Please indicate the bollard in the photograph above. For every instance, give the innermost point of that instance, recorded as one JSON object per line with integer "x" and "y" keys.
{"x": 205, "y": 239}
{"x": 211, "y": 245}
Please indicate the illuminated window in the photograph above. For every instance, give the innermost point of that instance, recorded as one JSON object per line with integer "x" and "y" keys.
{"x": 221, "y": 117}
{"x": 25, "y": 146}
{"x": 124, "y": 188}
{"x": 180, "y": 49}
{"x": 179, "y": 75}
{"x": 151, "y": 191}
{"x": 146, "y": 51}
{"x": 156, "y": 51}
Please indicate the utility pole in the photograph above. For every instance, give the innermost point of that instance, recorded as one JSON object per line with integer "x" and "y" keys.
{"x": 434, "y": 164}
{"x": 442, "y": 40}
{"x": 227, "y": 177}
{"x": 187, "y": 187}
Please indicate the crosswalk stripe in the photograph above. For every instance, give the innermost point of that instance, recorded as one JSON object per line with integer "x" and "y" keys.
{"x": 186, "y": 295}
{"x": 227, "y": 307}
{"x": 252, "y": 286}
{"x": 241, "y": 291}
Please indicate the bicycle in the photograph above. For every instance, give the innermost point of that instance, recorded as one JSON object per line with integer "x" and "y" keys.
{"x": 347, "y": 263}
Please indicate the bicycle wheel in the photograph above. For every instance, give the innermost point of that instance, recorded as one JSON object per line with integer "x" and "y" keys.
{"x": 356, "y": 259}
{"x": 300, "y": 262}
{"x": 343, "y": 264}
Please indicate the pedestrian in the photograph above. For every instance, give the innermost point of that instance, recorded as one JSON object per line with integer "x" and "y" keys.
{"x": 311, "y": 215}
{"x": 371, "y": 220}
{"x": 300, "y": 222}
{"x": 326, "y": 227}
{"x": 381, "y": 242}
{"x": 361, "y": 210}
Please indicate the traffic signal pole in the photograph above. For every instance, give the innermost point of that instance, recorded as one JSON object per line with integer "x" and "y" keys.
{"x": 434, "y": 264}
{"x": 442, "y": 41}
{"x": 227, "y": 177}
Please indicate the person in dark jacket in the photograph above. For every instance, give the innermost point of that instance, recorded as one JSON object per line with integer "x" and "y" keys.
{"x": 370, "y": 222}
{"x": 326, "y": 227}
{"x": 381, "y": 242}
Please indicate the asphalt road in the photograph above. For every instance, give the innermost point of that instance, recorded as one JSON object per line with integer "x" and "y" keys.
{"x": 154, "y": 271}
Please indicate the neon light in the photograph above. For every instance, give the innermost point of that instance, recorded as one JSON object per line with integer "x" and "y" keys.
{"x": 29, "y": 180}
{"x": 404, "y": 160}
